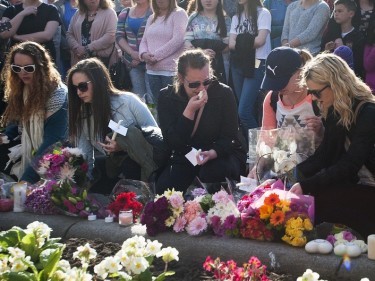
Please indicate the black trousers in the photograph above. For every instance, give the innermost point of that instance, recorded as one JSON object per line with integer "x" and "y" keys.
{"x": 349, "y": 204}
{"x": 180, "y": 173}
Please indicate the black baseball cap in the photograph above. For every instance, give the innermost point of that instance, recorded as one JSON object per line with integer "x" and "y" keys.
{"x": 281, "y": 64}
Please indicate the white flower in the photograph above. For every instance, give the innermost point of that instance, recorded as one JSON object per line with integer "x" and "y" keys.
{"x": 16, "y": 253}
{"x": 309, "y": 275}
{"x": 59, "y": 275}
{"x": 125, "y": 276}
{"x": 153, "y": 247}
{"x": 41, "y": 231}
{"x": 4, "y": 265}
{"x": 361, "y": 244}
{"x": 85, "y": 253}
{"x": 286, "y": 165}
{"x": 168, "y": 254}
{"x": 112, "y": 264}
{"x": 64, "y": 265}
{"x": 365, "y": 279}
{"x": 42, "y": 170}
{"x": 18, "y": 265}
{"x": 339, "y": 240}
{"x": 66, "y": 172}
{"x": 279, "y": 155}
{"x": 100, "y": 270}
{"x": 73, "y": 151}
{"x": 221, "y": 197}
{"x": 138, "y": 265}
{"x": 264, "y": 150}
{"x": 134, "y": 243}
{"x": 123, "y": 257}
{"x": 139, "y": 229}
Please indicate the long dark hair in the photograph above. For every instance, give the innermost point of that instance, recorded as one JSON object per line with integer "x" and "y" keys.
{"x": 156, "y": 10}
{"x": 99, "y": 108}
{"x": 221, "y": 28}
{"x": 252, "y": 13}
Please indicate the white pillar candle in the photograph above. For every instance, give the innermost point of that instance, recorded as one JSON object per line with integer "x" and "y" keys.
{"x": 19, "y": 196}
{"x": 371, "y": 246}
{"x": 125, "y": 218}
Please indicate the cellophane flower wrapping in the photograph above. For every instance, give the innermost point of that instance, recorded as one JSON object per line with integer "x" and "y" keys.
{"x": 276, "y": 152}
{"x": 270, "y": 213}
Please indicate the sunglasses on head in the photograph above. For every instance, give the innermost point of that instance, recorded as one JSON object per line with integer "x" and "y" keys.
{"x": 317, "y": 93}
{"x": 194, "y": 85}
{"x": 27, "y": 68}
{"x": 82, "y": 87}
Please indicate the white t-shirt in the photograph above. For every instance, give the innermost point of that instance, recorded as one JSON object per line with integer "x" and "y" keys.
{"x": 264, "y": 22}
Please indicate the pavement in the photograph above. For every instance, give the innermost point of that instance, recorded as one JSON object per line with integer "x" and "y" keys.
{"x": 287, "y": 259}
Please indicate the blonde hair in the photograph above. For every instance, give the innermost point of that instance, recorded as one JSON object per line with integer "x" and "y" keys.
{"x": 331, "y": 70}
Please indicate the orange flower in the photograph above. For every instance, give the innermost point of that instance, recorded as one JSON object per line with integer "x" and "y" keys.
{"x": 277, "y": 218}
{"x": 272, "y": 199}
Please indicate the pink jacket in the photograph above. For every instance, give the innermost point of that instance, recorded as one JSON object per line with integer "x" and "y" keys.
{"x": 369, "y": 65}
{"x": 103, "y": 32}
{"x": 165, "y": 40}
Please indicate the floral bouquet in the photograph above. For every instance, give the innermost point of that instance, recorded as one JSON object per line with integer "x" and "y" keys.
{"x": 276, "y": 152}
{"x": 223, "y": 216}
{"x": 126, "y": 201}
{"x": 253, "y": 270}
{"x": 161, "y": 214}
{"x": 295, "y": 231}
{"x": 39, "y": 201}
{"x": 63, "y": 164}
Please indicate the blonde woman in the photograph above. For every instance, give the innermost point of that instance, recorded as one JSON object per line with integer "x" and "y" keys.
{"x": 340, "y": 173}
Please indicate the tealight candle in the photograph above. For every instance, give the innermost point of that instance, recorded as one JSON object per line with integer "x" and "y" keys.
{"x": 125, "y": 218}
{"x": 371, "y": 246}
{"x": 91, "y": 217}
{"x": 108, "y": 219}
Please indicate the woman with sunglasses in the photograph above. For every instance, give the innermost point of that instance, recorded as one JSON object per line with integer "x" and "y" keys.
{"x": 93, "y": 102}
{"x": 199, "y": 115}
{"x": 340, "y": 174}
{"x": 37, "y": 104}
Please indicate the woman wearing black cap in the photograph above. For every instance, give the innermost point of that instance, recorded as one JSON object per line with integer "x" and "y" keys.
{"x": 287, "y": 104}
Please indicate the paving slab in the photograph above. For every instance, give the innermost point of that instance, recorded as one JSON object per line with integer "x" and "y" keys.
{"x": 288, "y": 259}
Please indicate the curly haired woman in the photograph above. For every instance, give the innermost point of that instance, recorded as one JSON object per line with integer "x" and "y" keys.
{"x": 37, "y": 104}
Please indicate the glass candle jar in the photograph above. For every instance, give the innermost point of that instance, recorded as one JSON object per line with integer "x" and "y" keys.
{"x": 125, "y": 217}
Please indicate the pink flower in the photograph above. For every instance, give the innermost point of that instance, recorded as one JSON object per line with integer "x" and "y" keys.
{"x": 192, "y": 210}
{"x": 196, "y": 226}
{"x": 176, "y": 201}
{"x": 221, "y": 197}
{"x": 179, "y": 225}
{"x": 331, "y": 239}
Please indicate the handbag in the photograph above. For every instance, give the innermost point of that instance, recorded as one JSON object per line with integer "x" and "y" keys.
{"x": 120, "y": 76}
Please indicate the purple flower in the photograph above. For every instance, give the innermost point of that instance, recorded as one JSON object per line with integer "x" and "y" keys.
{"x": 230, "y": 222}
{"x": 348, "y": 236}
{"x": 331, "y": 239}
{"x": 80, "y": 205}
{"x": 198, "y": 192}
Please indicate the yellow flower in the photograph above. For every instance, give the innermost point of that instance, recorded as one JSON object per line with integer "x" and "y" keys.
{"x": 308, "y": 225}
{"x": 169, "y": 221}
{"x": 299, "y": 242}
{"x": 296, "y": 223}
{"x": 284, "y": 205}
{"x": 286, "y": 239}
{"x": 265, "y": 211}
{"x": 296, "y": 233}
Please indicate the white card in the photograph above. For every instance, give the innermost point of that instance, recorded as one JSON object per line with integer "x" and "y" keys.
{"x": 192, "y": 156}
{"x": 117, "y": 128}
{"x": 4, "y": 139}
{"x": 247, "y": 184}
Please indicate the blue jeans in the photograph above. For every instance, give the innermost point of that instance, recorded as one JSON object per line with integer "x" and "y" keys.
{"x": 247, "y": 91}
{"x": 158, "y": 82}
{"x": 139, "y": 80}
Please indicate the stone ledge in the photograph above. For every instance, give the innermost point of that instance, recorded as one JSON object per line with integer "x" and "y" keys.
{"x": 290, "y": 260}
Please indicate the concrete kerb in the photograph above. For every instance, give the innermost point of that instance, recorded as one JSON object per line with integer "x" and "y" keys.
{"x": 288, "y": 259}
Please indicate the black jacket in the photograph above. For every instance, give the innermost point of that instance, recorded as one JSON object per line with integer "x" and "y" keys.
{"x": 218, "y": 127}
{"x": 331, "y": 164}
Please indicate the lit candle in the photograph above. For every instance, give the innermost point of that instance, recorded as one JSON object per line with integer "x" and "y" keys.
{"x": 108, "y": 219}
{"x": 91, "y": 217}
{"x": 125, "y": 218}
{"x": 371, "y": 246}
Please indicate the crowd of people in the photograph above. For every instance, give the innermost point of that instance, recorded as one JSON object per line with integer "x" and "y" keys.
{"x": 206, "y": 65}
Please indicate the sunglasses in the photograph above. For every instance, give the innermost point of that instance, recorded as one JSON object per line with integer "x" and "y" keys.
{"x": 82, "y": 87}
{"x": 27, "y": 68}
{"x": 194, "y": 85}
{"x": 317, "y": 93}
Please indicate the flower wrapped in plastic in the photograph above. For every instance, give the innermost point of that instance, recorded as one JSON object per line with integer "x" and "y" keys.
{"x": 126, "y": 201}
{"x": 274, "y": 153}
